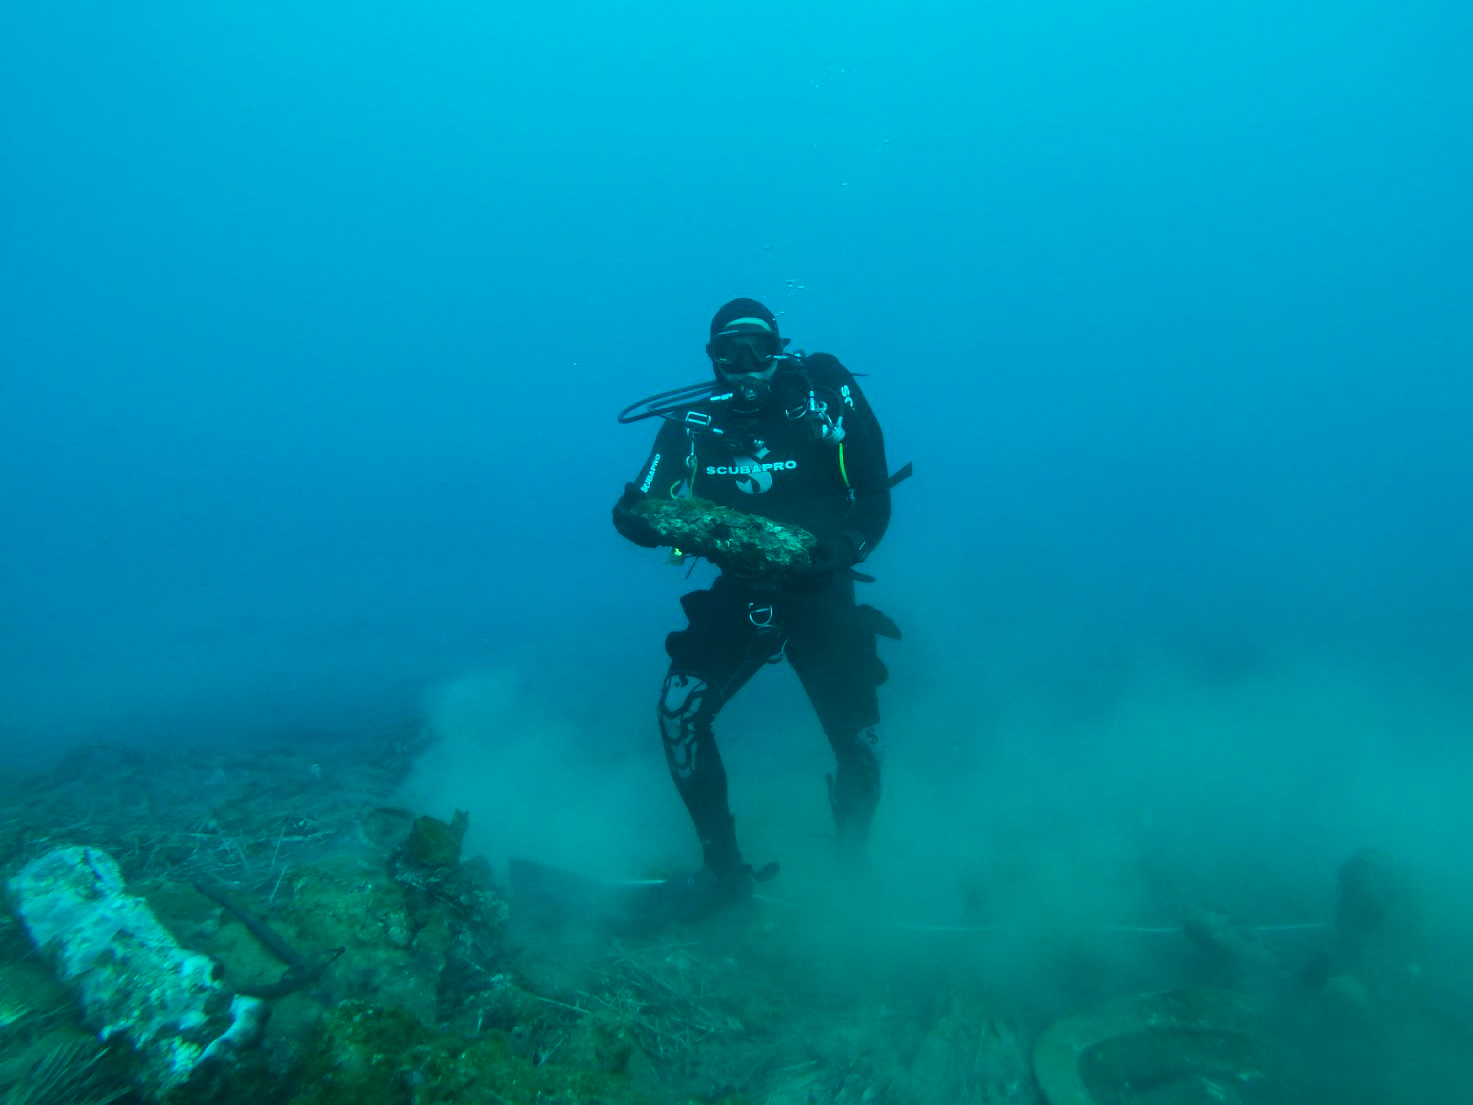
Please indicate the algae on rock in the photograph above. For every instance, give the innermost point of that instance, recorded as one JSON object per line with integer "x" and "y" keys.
{"x": 368, "y": 1054}
{"x": 726, "y": 537}
{"x": 434, "y": 843}
{"x": 351, "y": 902}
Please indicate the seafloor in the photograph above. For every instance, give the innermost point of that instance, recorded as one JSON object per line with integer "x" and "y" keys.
{"x": 449, "y": 988}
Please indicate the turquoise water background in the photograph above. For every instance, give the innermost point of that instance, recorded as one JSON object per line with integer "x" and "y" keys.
{"x": 314, "y": 318}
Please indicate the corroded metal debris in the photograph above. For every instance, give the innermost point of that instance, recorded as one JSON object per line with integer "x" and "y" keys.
{"x": 726, "y": 537}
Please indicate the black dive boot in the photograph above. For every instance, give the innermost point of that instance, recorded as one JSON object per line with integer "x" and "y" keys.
{"x": 723, "y": 885}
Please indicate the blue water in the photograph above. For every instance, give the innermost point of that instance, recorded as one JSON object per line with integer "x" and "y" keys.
{"x": 314, "y": 320}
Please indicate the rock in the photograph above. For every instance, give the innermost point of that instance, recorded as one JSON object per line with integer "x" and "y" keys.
{"x": 1187, "y": 1045}
{"x": 367, "y": 1053}
{"x": 351, "y": 903}
{"x": 432, "y": 843}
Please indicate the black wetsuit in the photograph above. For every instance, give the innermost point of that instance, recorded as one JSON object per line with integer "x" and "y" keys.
{"x": 771, "y": 464}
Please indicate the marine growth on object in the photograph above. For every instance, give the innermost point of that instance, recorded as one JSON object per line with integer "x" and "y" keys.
{"x": 726, "y": 537}
{"x": 126, "y": 971}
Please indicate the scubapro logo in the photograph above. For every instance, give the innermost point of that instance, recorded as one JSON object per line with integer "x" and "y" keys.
{"x": 749, "y": 469}
{"x": 649, "y": 478}
{"x": 754, "y": 477}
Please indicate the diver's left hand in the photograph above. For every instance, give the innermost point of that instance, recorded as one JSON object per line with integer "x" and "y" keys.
{"x": 828, "y": 561}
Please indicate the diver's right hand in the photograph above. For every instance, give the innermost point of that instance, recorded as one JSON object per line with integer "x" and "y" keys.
{"x": 632, "y": 525}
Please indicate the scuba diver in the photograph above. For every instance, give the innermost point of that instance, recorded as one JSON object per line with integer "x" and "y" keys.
{"x": 791, "y": 438}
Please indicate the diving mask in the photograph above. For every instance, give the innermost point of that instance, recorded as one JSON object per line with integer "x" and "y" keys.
{"x": 739, "y": 352}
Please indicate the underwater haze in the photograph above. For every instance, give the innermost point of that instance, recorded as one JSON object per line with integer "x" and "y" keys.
{"x": 315, "y": 317}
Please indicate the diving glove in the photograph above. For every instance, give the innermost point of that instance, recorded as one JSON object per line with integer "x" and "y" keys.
{"x": 632, "y": 525}
{"x": 829, "y": 559}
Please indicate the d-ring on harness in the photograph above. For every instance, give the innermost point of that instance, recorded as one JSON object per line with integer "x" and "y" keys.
{"x": 764, "y": 618}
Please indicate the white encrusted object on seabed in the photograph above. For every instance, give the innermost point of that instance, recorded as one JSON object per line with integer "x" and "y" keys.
{"x": 130, "y": 976}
